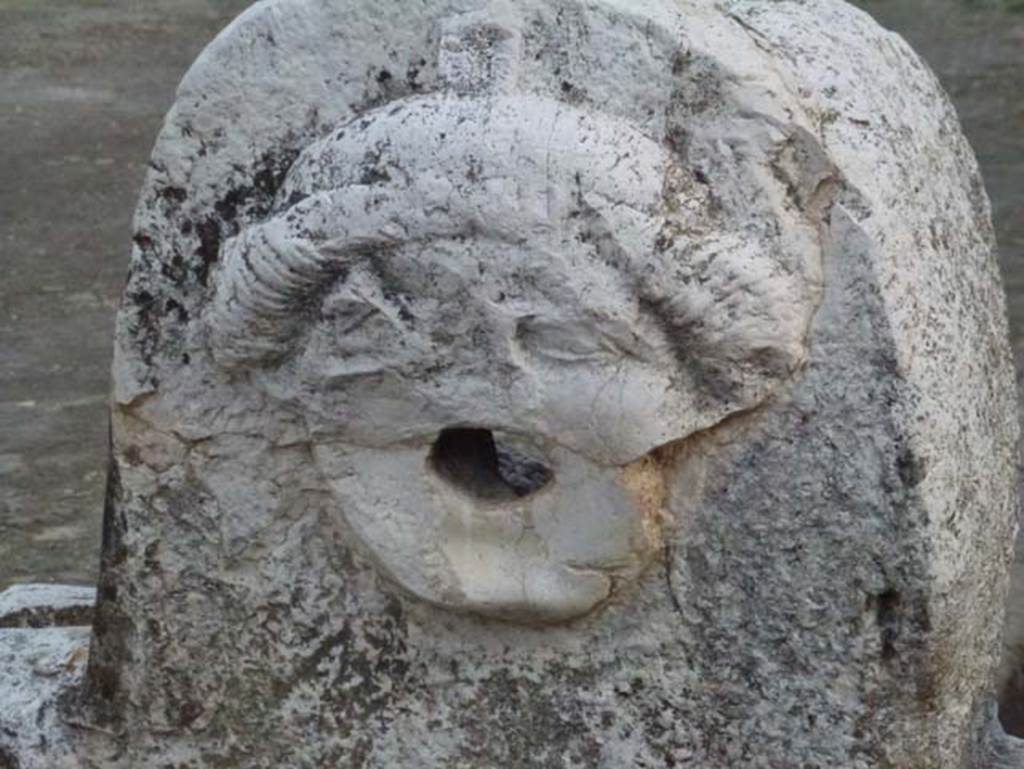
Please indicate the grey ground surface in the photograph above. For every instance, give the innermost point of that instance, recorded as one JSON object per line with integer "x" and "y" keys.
{"x": 84, "y": 85}
{"x": 83, "y": 88}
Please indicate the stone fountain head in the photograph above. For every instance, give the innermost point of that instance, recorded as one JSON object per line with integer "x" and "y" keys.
{"x": 493, "y": 310}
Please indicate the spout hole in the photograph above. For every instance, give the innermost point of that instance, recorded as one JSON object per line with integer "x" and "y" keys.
{"x": 489, "y": 468}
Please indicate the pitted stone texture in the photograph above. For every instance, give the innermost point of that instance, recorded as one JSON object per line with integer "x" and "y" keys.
{"x": 37, "y": 668}
{"x": 44, "y": 644}
{"x": 498, "y": 448}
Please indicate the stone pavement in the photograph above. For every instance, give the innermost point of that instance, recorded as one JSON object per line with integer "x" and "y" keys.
{"x": 84, "y": 86}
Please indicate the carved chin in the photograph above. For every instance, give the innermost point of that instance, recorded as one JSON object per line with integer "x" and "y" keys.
{"x": 496, "y": 524}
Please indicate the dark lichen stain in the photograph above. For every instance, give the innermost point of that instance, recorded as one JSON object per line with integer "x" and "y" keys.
{"x": 188, "y": 713}
{"x": 680, "y": 62}
{"x": 8, "y": 760}
{"x": 677, "y": 139}
{"x": 412, "y": 74}
{"x": 572, "y": 93}
{"x": 663, "y": 242}
{"x": 155, "y": 300}
{"x": 887, "y": 617}
{"x": 362, "y": 668}
{"x": 911, "y": 468}
{"x": 251, "y": 201}
{"x": 474, "y": 172}
{"x": 146, "y": 326}
{"x": 514, "y": 721}
{"x": 227, "y": 207}
{"x": 665, "y": 743}
{"x": 374, "y": 169}
{"x": 372, "y": 678}
{"x": 295, "y": 198}
{"x": 272, "y": 172}
{"x": 173, "y": 195}
{"x": 175, "y": 270}
{"x": 150, "y": 556}
{"x": 208, "y": 250}
{"x": 174, "y": 307}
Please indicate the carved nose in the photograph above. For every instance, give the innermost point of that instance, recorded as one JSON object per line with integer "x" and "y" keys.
{"x": 490, "y": 469}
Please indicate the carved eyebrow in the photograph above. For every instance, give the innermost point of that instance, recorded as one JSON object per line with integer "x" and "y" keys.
{"x": 272, "y": 270}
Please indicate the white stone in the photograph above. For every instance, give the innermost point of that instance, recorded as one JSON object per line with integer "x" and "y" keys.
{"x": 557, "y": 383}
{"x": 36, "y": 667}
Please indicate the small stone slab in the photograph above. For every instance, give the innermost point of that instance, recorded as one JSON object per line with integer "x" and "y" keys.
{"x": 36, "y": 667}
{"x": 41, "y": 606}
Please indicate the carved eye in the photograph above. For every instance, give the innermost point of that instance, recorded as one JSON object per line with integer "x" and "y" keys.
{"x": 565, "y": 342}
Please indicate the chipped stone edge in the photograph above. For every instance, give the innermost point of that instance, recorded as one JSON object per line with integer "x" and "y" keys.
{"x": 39, "y": 667}
{"x": 44, "y": 647}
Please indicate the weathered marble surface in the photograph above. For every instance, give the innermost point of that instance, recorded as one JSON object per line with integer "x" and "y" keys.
{"x": 720, "y": 283}
{"x": 38, "y": 668}
{"x": 44, "y": 644}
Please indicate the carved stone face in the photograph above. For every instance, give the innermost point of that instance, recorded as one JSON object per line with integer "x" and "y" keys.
{"x": 493, "y": 312}
{"x": 474, "y": 422}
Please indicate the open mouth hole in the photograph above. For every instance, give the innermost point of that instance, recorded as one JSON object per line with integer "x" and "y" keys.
{"x": 472, "y": 460}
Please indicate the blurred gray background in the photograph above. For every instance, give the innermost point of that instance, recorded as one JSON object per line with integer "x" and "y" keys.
{"x": 84, "y": 85}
